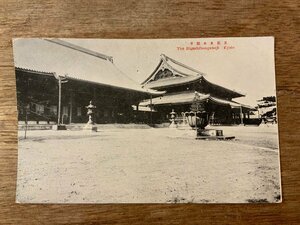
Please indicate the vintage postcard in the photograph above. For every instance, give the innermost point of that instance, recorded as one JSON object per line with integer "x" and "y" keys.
{"x": 147, "y": 120}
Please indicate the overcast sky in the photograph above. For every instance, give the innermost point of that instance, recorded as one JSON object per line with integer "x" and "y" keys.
{"x": 247, "y": 68}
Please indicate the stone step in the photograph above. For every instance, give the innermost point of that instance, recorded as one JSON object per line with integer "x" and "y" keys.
{"x": 109, "y": 126}
{"x": 35, "y": 127}
{"x": 80, "y": 126}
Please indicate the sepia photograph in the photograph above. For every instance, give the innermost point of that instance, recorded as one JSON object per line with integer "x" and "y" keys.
{"x": 191, "y": 120}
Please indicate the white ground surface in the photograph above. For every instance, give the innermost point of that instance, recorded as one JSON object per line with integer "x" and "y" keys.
{"x": 148, "y": 166}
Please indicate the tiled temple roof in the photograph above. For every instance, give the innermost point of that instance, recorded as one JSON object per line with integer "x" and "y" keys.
{"x": 183, "y": 74}
{"x": 68, "y": 60}
{"x": 189, "y": 97}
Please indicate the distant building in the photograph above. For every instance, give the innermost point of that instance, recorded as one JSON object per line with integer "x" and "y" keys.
{"x": 184, "y": 86}
{"x": 84, "y": 74}
{"x": 267, "y": 109}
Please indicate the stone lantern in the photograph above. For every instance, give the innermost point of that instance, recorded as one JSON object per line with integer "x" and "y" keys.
{"x": 90, "y": 112}
{"x": 173, "y": 116}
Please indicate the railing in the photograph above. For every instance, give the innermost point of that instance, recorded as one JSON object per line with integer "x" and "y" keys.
{"x": 28, "y": 114}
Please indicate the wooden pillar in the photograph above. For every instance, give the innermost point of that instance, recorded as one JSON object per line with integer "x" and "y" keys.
{"x": 151, "y": 109}
{"x": 59, "y": 101}
{"x": 233, "y": 117}
{"x": 71, "y": 107}
{"x": 241, "y": 115}
{"x": 95, "y": 100}
{"x": 136, "y": 113}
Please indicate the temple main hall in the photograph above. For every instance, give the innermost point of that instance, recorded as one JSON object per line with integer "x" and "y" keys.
{"x": 56, "y": 80}
{"x": 185, "y": 86}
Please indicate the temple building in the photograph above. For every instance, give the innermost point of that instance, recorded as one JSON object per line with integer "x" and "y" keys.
{"x": 184, "y": 86}
{"x": 56, "y": 79}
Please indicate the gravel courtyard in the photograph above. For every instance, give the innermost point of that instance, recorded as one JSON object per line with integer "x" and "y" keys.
{"x": 155, "y": 165}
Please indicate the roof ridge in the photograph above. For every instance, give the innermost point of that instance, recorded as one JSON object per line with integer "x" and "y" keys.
{"x": 166, "y": 58}
{"x": 187, "y": 79}
{"x": 147, "y": 79}
{"x": 180, "y": 92}
{"x": 79, "y": 48}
